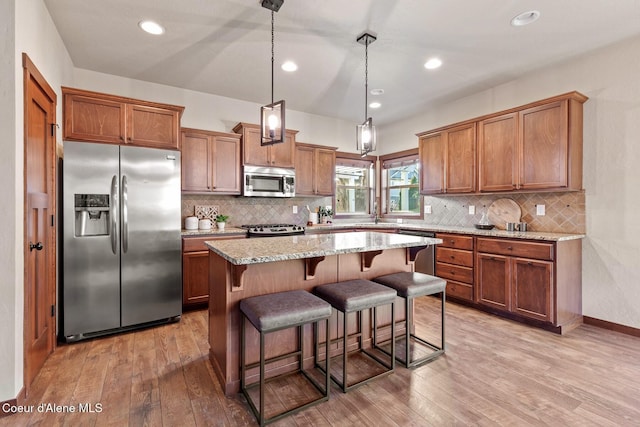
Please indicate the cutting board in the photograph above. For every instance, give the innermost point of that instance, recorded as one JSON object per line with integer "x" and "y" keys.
{"x": 502, "y": 211}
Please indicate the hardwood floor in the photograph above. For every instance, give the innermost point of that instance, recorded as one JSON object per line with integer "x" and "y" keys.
{"x": 495, "y": 372}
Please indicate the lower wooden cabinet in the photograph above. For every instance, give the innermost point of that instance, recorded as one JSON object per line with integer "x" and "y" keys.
{"x": 454, "y": 262}
{"x": 533, "y": 280}
{"x": 195, "y": 270}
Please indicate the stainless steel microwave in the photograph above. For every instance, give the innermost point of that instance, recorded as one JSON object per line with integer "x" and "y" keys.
{"x": 268, "y": 182}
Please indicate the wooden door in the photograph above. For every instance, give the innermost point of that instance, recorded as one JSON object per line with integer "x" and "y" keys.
{"x": 531, "y": 289}
{"x": 252, "y": 152}
{"x": 325, "y": 167}
{"x": 226, "y": 165}
{"x": 39, "y": 227}
{"x": 196, "y": 157}
{"x": 305, "y": 171}
{"x": 283, "y": 154}
{"x": 93, "y": 119}
{"x": 460, "y": 163}
{"x": 497, "y": 153}
{"x": 195, "y": 278}
{"x": 431, "y": 153}
{"x": 153, "y": 127}
{"x": 544, "y": 141}
{"x": 493, "y": 278}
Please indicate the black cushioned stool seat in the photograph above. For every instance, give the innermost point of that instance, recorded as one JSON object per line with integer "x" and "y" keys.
{"x": 354, "y": 296}
{"x": 410, "y": 285}
{"x": 274, "y": 312}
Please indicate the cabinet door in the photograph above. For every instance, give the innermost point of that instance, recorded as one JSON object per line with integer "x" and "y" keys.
{"x": 431, "y": 153}
{"x": 497, "y": 153}
{"x": 460, "y": 164}
{"x": 305, "y": 171}
{"x": 283, "y": 154}
{"x": 152, "y": 127}
{"x": 93, "y": 119}
{"x": 493, "y": 278}
{"x": 544, "y": 141}
{"x": 225, "y": 161}
{"x": 253, "y": 152}
{"x": 531, "y": 288}
{"x": 195, "y": 278}
{"x": 325, "y": 167}
{"x": 196, "y": 156}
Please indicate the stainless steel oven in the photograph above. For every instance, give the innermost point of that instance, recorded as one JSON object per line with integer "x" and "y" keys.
{"x": 268, "y": 182}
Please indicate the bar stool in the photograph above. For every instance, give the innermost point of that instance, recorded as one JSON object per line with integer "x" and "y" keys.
{"x": 354, "y": 296}
{"x": 274, "y": 312}
{"x": 410, "y": 285}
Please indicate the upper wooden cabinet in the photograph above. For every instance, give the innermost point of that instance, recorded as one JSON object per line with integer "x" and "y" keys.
{"x": 448, "y": 160}
{"x": 99, "y": 117}
{"x": 315, "y": 170}
{"x": 537, "y": 146}
{"x": 253, "y": 153}
{"x": 210, "y": 161}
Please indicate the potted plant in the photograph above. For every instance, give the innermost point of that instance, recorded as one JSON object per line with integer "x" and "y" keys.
{"x": 325, "y": 214}
{"x": 221, "y": 220}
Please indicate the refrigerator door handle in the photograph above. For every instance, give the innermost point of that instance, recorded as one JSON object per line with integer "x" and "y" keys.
{"x": 125, "y": 216}
{"x": 113, "y": 213}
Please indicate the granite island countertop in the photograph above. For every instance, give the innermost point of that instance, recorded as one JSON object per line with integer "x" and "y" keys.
{"x": 260, "y": 250}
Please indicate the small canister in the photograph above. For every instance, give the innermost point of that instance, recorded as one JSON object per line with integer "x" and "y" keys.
{"x": 205, "y": 224}
{"x": 522, "y": 226}
{"x": 511, "y": 226}
{"x": 191, "y": 223}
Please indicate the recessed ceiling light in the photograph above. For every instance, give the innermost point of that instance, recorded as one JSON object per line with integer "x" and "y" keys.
{"x": 289, "y": 66}
{"x": 375, "y": 105}
{"x": 376, "y": 91}
{"x": 432, "y": 64}
{"x": 525, "y": 18}
{"x": 151, "y": 27}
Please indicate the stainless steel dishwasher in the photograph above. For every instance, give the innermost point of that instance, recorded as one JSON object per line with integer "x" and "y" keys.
{"x": 425, "y": 260}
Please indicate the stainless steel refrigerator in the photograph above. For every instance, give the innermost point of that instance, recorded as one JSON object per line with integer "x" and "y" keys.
{"x": 121, "y": 246}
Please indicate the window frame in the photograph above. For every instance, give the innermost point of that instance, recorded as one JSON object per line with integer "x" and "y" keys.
{"x": 355, "y": 160}
{"x": 389, "y": 161}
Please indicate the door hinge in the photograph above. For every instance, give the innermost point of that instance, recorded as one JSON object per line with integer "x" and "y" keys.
{"x": 53, "y": 128}
{"x": 53, "y": 310}
{"x": 53, "y": 220}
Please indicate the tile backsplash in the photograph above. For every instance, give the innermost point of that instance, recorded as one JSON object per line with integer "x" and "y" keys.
{"x": 565, "y": 212}
{"x": 254, "y": 210}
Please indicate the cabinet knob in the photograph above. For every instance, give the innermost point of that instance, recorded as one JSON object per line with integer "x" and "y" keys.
{"x": 510, "y": 248}
{"x": 453, "y": 257}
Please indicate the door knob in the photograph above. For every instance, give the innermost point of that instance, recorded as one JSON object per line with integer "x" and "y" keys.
{"x": 37, "y": 246}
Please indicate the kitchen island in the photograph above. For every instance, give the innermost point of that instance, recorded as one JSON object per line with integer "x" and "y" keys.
{"x": 243, "y": 268}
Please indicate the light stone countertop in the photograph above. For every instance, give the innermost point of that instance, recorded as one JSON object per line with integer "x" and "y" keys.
{"x": 531, "y": 235}
{"x": 259, "y": 250}
{"x": 214, "y": 232}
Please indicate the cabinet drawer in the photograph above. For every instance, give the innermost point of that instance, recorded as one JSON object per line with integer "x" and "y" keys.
{"x": 459, "y": 290}
{"x": 454, "y": 272}
{"x": 454, "y": 256}
{"x": 455, "y": 241}
{"x": 533, "y": 250}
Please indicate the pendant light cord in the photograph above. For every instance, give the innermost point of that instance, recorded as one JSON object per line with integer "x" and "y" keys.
{"x": 366, "y": 77}
{"x": 272, "y": 54}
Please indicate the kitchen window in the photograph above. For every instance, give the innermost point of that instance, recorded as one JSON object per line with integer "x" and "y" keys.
{"x": 400, "y": 178}
{"x": 355, "y": 185}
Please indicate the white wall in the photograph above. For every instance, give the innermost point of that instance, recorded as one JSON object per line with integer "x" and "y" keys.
{"x": 26, "y": 27}
{"x": 611, "y": 79}
{"x": 218, "y": 113}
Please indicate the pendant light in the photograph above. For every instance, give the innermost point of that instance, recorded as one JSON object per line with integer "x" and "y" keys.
{"x": 272, "y": 115}
{"x": 366, "y": 132}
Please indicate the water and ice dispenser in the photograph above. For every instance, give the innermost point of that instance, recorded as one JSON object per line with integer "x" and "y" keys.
{"x": 92, "y": 215}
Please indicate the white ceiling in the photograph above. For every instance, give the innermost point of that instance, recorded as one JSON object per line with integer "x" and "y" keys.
{"x": 223, "y": 47}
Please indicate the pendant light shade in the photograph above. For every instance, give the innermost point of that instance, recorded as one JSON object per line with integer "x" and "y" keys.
{"x": 272, "y": 115}
{"x": 366, "y": 132}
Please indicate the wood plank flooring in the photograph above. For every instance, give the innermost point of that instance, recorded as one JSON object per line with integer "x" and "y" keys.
{"x": 495, "y": 372}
